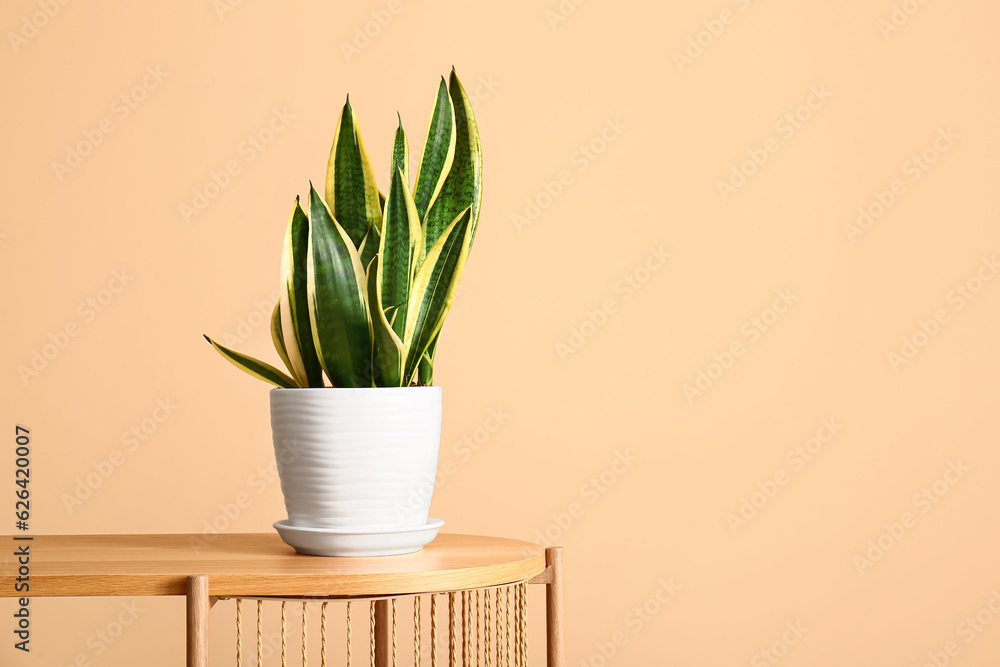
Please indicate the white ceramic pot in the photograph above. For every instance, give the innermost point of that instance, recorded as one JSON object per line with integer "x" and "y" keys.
{"x": 357, "y": 458}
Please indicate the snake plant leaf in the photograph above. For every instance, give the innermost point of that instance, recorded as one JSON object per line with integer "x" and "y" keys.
{"x": 463, "y": 185}
{"x": 255, "y": 367}
{"x": 296, "y": 329}
{"x": 400, "y": 153}
{"x": 438, "y": 153}
{"x": 351, "y": 192}
{"x": 278, "y": 339}
{"x": 388, "y": 355}
{"x": 434, "y": 289}
{"x": 425, "y": 372}
{"x": 338, "y": 300}
{"x": 370, "y": 245}
{"x": 399, "y": 251}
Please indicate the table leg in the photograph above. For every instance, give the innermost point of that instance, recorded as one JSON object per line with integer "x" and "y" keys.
{"x": 197, "y": 621}
{"x": 554, "y": 610}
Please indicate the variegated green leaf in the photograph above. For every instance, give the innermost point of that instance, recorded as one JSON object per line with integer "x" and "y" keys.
{"x": 388, "y": 356}
{"x": 434, "y": 289}
{"x": 255, "y": 367}
{"x": 400, "y": 153}
{"x": 438, "y": 153}
{"x": 370, "y": 245}
{"x": 338, "y": 300}
{"x": 425, "y": 372}
{"x": 351, "y": 192}
{"x": 399, "y": 249}
{"x": 296, "y": 329}
{"x": 278, "y": 339}
{"x": 462, "y": 187}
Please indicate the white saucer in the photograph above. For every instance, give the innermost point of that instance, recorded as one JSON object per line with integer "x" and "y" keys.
{"x": 359, "y": 541}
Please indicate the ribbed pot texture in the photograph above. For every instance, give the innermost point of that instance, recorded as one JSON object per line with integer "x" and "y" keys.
{"x": 357, "y": 458}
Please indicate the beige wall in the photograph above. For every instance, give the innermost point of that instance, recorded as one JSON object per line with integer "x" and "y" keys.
{"x": 773, "y": 265}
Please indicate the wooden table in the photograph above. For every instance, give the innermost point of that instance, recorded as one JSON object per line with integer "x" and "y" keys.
{"x": 261, "y": 566}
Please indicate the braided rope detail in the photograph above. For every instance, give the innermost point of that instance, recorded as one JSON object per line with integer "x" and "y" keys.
{"x": 260, "y": 633}
{"x": 524, "y": 624}
{"x": 434, "y": 630}
{"x": 371, "y": 639}
{"x": 486, "y": 626}
{"x": 524, "y": 621}
{"x": 322, "y": 634}
{"x": 305, "y": 623}
{"x": 394, "y": 632}
{"x": 478, "y": 633}
{"x": 517, "y": 626}
{"x": 348, "y": 633}
{"x": 416, "y": 631}
{"x": 468, "y": 627}
{"x": 465, "y": 627}
{"x": 239, "y": 632}
{"x": 506, "y": 629}
{"x": 499, "y": 633}
{"x": 452, "y": 639}
{"x": 284, "y": 635}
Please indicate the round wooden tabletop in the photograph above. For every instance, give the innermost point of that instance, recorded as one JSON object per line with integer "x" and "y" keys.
{"x": 260, "y": 564}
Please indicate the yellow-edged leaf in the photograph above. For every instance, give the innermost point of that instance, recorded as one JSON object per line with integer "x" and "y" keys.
{"x": 434, "y": 289}
{"x": 255, "y": 367}
{"x": 338, "y": 300}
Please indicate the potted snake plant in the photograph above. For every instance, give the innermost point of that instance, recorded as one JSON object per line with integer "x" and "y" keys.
{"x": 366, "y": 282}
